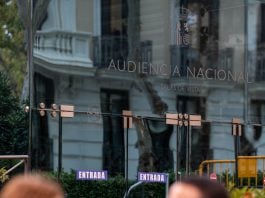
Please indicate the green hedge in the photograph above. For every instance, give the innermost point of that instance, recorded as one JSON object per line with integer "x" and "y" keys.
{"x": 115, "y": 188}
{"x": 112, "y": 188}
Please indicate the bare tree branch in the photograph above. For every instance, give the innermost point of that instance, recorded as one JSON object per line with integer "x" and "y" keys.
{"x": 146, "y": 155}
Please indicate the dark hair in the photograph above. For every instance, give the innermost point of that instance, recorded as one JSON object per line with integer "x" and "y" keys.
{"x": 209, "y": 189}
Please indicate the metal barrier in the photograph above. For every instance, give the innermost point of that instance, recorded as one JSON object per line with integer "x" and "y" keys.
{"x": 213, "y": 165}
{"x": 248, "y": 168}
{"x": 24, "y": 159}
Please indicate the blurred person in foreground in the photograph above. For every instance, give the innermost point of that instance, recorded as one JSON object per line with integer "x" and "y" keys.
{"x": 31, "y": 186}
{"x": 195, "y": 187}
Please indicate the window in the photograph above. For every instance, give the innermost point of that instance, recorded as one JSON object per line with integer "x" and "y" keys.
{"x": 113, "y": 43}
{"x": 200, "y": 136}
{"x": 195, "y": 40}
{"x": 260, "y": 73}
{"x": 113, "y": 102}
{"x": 226, "y": 59}
{"x": 146, "y": 51}
{"x": 256, "y": 116}
{"x": 262, "y": 20}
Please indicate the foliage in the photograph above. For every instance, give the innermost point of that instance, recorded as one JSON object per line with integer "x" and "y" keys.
{"x": 251, "y": 192}
{"x": 3, "y": 176}
{"x": 12, "y": 50}
{"x": 115, "y": 187}
{"x": 112, "y": 188}
{"x": 13, "y": 121}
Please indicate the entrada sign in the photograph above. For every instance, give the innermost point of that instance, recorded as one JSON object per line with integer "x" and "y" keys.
{"x": 91, "y": 175}
{"x": 152, "y": 177}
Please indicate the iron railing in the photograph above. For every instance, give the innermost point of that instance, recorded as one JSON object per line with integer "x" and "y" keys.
{"x": 24, "y": 159}
{"x": 108, "y": 48}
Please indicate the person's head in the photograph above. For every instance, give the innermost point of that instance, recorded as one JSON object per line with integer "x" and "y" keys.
{"x": 195, "y": 187}
{"x": 31, "y": 186}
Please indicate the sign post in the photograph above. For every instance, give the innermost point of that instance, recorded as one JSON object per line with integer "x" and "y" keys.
{"x": 167, "y": 186}
{"x": 65, "y": 111}
{"x": 188, "y": 121}
{"x": 60, "y": 145}
{"x": 193, "y": 120}
{"x": 127, "y": 123}
{"x": 236, "y": 132}
{"x": 152, "y": 177}
{"x": 172, "y": 119}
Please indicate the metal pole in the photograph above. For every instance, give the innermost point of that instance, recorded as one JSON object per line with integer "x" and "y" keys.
{"x": 167, "y": 185}
{"x": 177, "y": 152}
{"x": 131, "y": 188}
{"x": 26, "y": 165}
{"x": 126, "y": 159}
{"x": 246, "y": 67}
{"x": 30, "y": 75}
{"x": 60, "y": 144}
{"x": 236, "y": 160}
{"x": 246, "y": 100}
{"x": 188, "y": 151}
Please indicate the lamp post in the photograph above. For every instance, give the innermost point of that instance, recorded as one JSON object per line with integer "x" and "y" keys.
{"x": 65, "y": 111}
{"x": 60, "y": 144}
{"x": 30, "y": 73}
{"x": 236, "y": 132}
{"x": 187, "y": 121}
{"x": 127, "y": 123}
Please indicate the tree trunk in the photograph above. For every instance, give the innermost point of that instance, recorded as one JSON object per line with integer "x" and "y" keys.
{"x": 146, "y": 155}
{"x": 144, "y": 145}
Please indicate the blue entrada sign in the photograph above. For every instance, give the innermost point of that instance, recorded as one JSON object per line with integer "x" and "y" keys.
{"x": 91, "y": 175}
{"x": 152, "y": 177}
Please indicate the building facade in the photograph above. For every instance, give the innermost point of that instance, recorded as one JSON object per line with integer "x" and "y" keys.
{"x": 150, "y": 57}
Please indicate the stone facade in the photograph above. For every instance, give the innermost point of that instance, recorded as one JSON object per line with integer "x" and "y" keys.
{"x": 65, "y": 53}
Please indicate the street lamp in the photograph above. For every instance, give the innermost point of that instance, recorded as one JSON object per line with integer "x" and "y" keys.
{"x": 185, "y": 120}
{"x": 42, "y": 109}
{"x": 53, "y": 110}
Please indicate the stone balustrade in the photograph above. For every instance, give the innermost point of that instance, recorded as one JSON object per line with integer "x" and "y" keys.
{"x": 63, "y": 47}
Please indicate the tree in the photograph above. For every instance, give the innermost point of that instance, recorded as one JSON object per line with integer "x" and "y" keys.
{"x": 147, "y": 158}
{"x": 39, "y": 13}
{"x": 13, "y": 121}
{"x": 12, "y": 51}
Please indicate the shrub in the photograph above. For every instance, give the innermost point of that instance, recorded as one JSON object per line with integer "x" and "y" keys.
{"x": 112, "y": 188}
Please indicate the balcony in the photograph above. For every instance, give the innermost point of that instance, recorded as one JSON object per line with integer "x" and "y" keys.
{"x": 107, "y": 48}
{"x": 63, "y": 47}
{"x": 188, "y": 71}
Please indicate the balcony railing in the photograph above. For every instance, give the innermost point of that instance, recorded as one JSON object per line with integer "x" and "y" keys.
{"x": 63, "y": 47}
{"x": 180, "y": 56}
{"x": 107, "y": 48}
